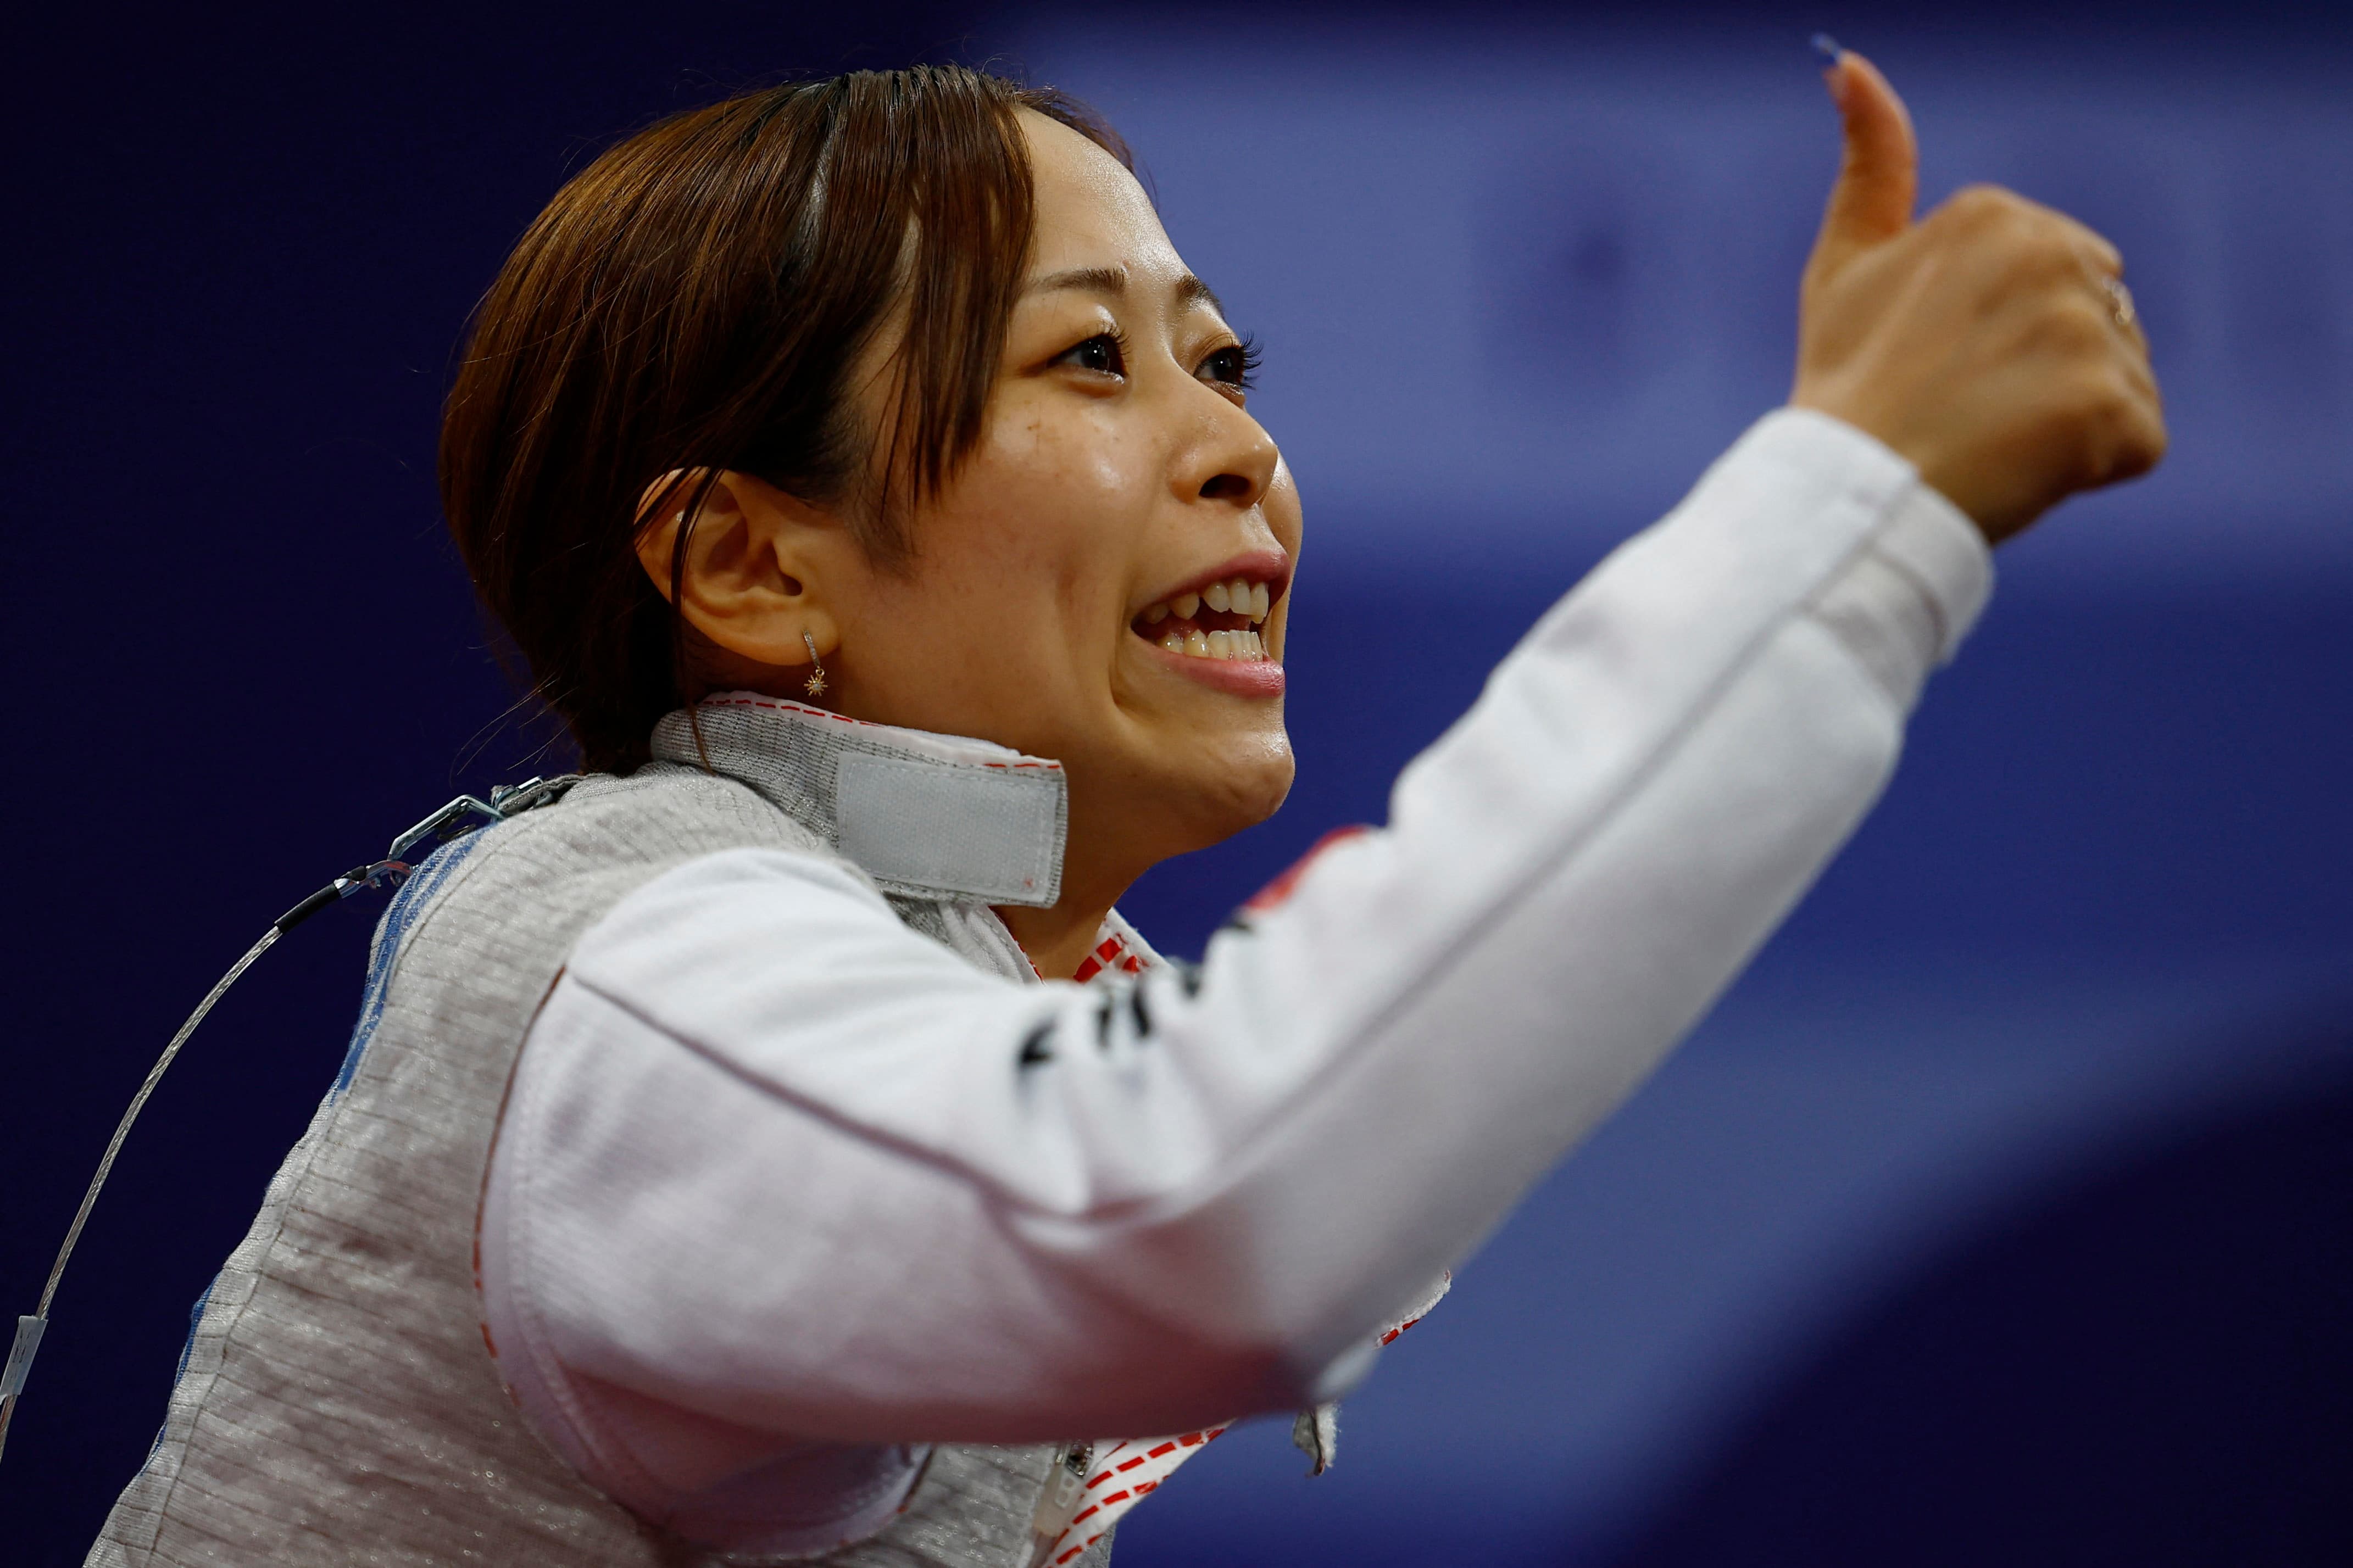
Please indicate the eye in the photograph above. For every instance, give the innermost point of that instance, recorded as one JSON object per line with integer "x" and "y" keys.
{"x": 1105, "y": 354}
{"x": 1234, "y": 365}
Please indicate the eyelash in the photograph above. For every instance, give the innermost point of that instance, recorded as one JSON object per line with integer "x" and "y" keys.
{"x": 1112, "y": 335}
{"x": 1246, "y": 349}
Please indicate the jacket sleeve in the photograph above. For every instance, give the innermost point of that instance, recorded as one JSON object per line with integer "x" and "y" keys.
{"x": 773, "y": 1165}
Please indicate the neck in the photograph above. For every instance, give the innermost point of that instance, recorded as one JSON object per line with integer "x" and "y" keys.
{"x": 1058, "y": 938}
{"x": 1102, "y": 857}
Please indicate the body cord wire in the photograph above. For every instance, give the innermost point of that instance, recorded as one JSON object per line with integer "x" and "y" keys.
{"x": 20, "y": 1355}
{"x": 448, "y": 823}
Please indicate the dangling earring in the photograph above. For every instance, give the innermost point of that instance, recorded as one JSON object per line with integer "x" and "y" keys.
{"x": 815, "y": 684}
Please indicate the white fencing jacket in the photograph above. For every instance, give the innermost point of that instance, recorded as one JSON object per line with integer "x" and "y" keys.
{"x": 792, "y": 1172}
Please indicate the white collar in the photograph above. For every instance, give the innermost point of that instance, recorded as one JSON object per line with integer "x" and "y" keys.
{"x": 932, "y": 816}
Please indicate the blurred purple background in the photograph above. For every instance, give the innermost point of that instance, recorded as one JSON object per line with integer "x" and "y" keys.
{"x": 2004, "y": 1211}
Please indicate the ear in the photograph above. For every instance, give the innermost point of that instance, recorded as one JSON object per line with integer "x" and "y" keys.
{"x": 761, "y": 568}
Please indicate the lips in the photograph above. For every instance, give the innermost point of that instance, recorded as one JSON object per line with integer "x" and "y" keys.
{"x": 1211, "y": 630}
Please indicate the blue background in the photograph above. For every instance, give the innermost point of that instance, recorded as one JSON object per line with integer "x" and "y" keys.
{"x": 2006, "y": 1208}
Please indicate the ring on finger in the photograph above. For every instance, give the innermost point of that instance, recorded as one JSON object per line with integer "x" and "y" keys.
{"x": 2120, "y": 302}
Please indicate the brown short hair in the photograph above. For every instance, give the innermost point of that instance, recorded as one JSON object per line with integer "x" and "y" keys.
{"x": 694, "y": 301}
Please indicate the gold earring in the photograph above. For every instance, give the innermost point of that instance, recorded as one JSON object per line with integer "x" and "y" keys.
{"x": 815, "y": 684}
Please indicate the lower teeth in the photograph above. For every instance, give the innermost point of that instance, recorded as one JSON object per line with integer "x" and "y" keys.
{"x": 1231, "y": 646}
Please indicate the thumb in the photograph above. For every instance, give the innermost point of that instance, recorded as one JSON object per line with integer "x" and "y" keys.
{"x": 1879, "y": 178}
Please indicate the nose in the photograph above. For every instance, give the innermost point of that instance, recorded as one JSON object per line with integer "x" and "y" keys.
{"x": 1230, "y": 460}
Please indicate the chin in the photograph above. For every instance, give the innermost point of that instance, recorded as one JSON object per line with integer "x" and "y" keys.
{"x": 1243, "y": 792}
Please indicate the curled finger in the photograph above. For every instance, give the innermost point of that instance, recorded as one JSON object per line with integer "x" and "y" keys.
{"x": 2142, "y": 439}
{"x": 2097, "y": 249}
{"x": 2131, "y": 431}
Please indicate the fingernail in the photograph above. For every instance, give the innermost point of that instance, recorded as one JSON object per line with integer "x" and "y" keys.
{"x": 1832, "y": 57}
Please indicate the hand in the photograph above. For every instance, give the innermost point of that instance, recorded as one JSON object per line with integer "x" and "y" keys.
{"x": 1987, "y": 343}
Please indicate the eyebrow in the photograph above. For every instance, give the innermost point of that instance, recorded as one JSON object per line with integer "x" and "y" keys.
{"x": 1112, "y": 281}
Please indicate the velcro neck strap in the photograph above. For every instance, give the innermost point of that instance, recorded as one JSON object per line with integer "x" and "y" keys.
{"x": 928, "y": 816}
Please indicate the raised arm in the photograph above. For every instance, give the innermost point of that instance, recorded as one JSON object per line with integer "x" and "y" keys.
{"x": 776, "y": 1169}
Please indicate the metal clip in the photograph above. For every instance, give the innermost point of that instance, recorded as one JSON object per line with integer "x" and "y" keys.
{"x": 20, "y": 1355}
{"x": 1066, "y": 1488}
{"x": 507, "y": 800}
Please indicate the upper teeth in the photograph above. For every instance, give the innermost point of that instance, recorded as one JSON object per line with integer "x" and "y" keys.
{"x": 1240, "y": 597}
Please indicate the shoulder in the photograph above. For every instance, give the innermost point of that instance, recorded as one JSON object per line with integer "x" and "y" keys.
{"x": 660, "y": 817}
{"x": 539, "y": 879}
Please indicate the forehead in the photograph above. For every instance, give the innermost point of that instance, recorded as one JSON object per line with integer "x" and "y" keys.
{"x": 1091, "y": 212}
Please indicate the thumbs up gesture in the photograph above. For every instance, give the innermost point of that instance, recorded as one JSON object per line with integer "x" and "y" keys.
{"x": 1992, "y": 342}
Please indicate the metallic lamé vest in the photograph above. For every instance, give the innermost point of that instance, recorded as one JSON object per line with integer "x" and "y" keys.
{"x": 337, "y": 1403}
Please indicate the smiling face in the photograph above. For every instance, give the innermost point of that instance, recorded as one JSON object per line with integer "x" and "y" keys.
{"x": 1104, "y": 580}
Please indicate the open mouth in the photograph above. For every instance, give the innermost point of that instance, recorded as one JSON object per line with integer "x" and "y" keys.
{"x": 1221, "y": 621}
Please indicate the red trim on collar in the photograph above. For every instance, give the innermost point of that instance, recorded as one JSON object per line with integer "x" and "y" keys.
{"x": 1112, "y": 953}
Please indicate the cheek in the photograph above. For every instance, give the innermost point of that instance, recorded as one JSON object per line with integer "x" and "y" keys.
{"x": 1043, "y": 507}
{"x": 1283, "y": 514}
{"x": 1058, "y": 462}
{"x": 1023, "y": 556}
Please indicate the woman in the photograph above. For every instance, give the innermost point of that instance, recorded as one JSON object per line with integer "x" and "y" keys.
{"x": 872, "y": 492}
